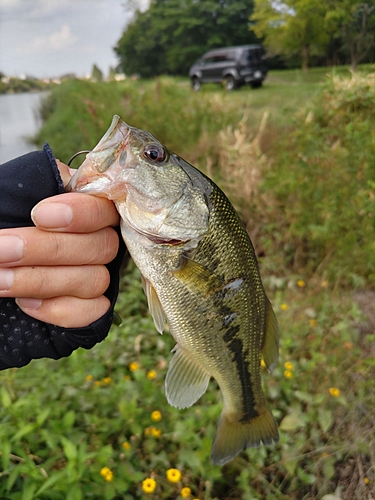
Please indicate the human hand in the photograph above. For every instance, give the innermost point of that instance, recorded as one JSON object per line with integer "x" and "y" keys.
{"x": 56, "y": 270}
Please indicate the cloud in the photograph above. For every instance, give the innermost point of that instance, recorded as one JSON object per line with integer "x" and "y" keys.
{"x": 53, "y": 37}
{"x": 55, "y": 41}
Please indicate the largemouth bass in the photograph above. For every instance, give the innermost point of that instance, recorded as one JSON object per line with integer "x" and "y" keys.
{"x": 200, "y": 274}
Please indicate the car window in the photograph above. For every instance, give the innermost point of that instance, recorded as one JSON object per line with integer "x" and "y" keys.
{"x": 225, "y": 56}
{"x": 253, "y": 56}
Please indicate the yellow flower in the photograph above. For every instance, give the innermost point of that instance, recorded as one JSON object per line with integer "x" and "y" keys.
{"x": 106, "y": 473}
{"x": 97, "y": 383}
{"x": 149, "y": 485}
{"x": 334, "y": 392}
{"x": 366, "y": 480}
{"x": 185, "y": 492}
{"x": 151, "y": 374}
{"x": 156, "y": 416}
{"x": 155, "y": 432}
{"x": 288, "y": 374}
{"x": 126, "y": 445}
{"x": 284, "y": 307}
{"x": 288, "y": 365}
{"x": 89, "y": 378}
{"x": 312, "y": 323}
{"x": 173, "y": 475}
{"x": 107, "y": 380}
{"x": 301, "y": 283}
{"x": 134, "y": 366}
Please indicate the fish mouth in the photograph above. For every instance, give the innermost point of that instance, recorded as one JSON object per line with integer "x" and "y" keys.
{"x": 91, "y": 175}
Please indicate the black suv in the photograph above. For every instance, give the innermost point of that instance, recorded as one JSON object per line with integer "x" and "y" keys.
{"x": 233, "y": 66}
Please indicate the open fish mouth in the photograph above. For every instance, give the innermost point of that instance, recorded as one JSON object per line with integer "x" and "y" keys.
{"x": 91, "y": 177}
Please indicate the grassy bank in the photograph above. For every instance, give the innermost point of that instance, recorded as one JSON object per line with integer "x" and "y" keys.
{"x": 297, "y": 159}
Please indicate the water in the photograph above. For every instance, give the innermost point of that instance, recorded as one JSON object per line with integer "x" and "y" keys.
{"x": 19, "y": 120}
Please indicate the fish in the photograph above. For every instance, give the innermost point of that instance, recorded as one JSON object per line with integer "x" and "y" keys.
{"x": 200, "y": 275}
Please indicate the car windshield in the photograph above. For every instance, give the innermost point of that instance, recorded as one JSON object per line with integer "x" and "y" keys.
{"x": 254, "y": 56}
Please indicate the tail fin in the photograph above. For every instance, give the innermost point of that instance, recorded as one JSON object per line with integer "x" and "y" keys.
{"x": 232, "y": 436}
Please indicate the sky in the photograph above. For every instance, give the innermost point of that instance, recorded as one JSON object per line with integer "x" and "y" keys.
{"x": 50, "y": 38}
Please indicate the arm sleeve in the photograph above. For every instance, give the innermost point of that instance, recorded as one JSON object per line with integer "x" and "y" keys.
{"x": 24, "y": 182}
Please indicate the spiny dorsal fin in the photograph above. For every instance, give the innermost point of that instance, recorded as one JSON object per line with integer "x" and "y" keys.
{"x": 270, "y": 348}
{"x": 154, "y": 305}
{"x": 186, "y": 380}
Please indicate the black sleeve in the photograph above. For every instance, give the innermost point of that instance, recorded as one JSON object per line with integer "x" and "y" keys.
{"x": 24, "y": 182}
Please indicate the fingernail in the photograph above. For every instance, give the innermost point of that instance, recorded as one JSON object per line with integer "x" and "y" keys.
{"x": 30, "y": 304}
{"x": 11, "y": 248}
{"x": 52, "y": 215}
{"x": 6, "y": 279}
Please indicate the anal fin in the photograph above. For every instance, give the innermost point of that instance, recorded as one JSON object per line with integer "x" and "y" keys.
{"x": 186, "y": 380}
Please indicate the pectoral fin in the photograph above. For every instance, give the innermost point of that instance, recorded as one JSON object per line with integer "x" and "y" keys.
{"x": 197, "y": 278}
{"x": 186, "y": 380}
{"x": 270, "y": 348}
{"x": 154, "y": 305}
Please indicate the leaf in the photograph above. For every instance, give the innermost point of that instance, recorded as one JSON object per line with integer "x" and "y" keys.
{"x": 5, "y": 452}
{"x": 292, "y": 421}
{"x": 325, "y": 419}
{"x": 43, "y": 416}
{"x": 28, "y": 491}
{"x": 23, "y": 431}
{"x": 70, "y": 449}
{"x": 305, "y": 477}
{"x": 6, "y": 400}
{"x": 69, "y": 419}
{"x": 50, "y": 481}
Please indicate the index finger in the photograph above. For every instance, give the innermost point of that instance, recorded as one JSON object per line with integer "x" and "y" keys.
{"x": 75, "y": 213}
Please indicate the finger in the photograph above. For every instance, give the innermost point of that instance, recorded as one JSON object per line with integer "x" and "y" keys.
{"x": 74, "y": 213}
{"x": 65, "y": 172}
{"x": 30, "y": 246}
{"x": 46, "y": 282}
{"x": 67, "y": 312}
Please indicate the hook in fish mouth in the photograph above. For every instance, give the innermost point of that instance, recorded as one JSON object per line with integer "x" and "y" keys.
{"x": 84, "y": 151}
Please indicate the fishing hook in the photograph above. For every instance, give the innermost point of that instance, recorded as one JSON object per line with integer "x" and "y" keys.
{"x": 76, "y": 154}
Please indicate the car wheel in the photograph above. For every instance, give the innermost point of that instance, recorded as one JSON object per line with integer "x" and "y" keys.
{"x": 196, "y": 84}
{"x": 256, "y": 84}
{"x": 230, "y": 83}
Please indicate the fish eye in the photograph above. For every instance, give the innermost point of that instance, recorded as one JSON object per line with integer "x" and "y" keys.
{"x": 155, "y": 153}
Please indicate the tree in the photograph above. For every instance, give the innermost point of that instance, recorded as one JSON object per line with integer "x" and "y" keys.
{"x": 291, "y": 27}
{"x": 96, "y": 74}
{"x": 354, "y": 22}
{"x": 172, "y": 34}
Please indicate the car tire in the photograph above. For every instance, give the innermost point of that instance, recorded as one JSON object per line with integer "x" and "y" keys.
{"x": 196, "y": 84}
{"x": 230, "y": 83}
{"x": 257, "y": 84}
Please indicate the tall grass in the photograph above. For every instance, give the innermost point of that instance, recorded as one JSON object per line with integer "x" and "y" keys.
{"x": 297, "y": 160}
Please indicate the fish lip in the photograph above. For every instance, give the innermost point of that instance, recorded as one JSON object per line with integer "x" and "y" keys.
{"x": 158, "y": 240}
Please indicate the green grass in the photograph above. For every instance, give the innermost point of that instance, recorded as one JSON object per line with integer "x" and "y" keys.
{"x": 297, "y": 159}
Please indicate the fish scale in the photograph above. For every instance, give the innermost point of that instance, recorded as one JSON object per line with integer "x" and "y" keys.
{"x": 200, "y": 274}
